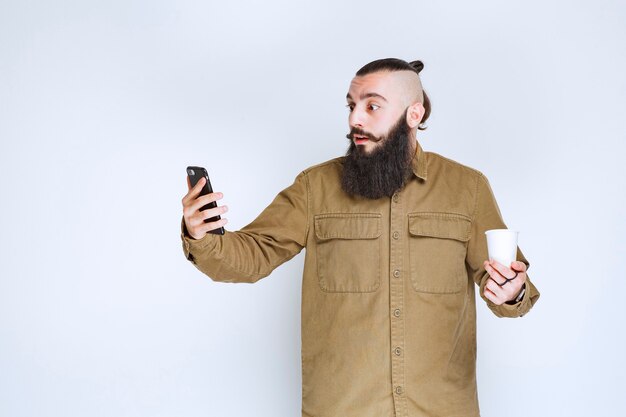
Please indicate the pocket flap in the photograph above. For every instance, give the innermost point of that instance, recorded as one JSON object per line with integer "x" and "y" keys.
{"x": 441, "y": 225}
{"x": 348, "y": 226}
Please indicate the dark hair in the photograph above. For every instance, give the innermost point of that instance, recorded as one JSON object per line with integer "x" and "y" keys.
{"x": 395, "y": 64}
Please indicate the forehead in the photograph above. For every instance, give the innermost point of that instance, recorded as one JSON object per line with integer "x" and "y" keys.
{"x": 382, "y": 83}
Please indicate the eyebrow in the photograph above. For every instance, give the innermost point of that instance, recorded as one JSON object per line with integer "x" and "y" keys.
{"x": 368, "y": 95}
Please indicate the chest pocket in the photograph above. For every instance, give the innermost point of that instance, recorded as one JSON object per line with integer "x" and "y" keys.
{"x": 437, "y": 250}
{"x": 348, "y": 249}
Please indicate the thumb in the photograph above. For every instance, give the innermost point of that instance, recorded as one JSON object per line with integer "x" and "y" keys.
{"x": 518, "y": 266}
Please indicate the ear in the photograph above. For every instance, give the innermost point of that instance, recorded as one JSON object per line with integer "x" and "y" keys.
{"x": 414, "y": 114}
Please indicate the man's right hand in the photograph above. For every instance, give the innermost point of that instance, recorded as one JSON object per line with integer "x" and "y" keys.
{"x": 194, "y": 218}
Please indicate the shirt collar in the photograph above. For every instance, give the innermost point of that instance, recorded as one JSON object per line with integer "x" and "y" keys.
{"x": 418, "y": 164}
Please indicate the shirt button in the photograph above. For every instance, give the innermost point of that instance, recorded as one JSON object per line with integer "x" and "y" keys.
{"x": 396, "y": 235}
{"x": 396, "y": 273}
{"x": 397, "y": 351}
{"x": 399, "y": 390}
{"x": 396, "y": 312}
{"x": 396, "y": 197}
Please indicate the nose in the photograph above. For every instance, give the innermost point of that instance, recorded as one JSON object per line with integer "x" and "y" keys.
{"x": 355, "y": 119}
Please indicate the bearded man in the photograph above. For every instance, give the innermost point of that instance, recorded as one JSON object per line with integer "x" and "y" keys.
{"x": 395, "y": 240}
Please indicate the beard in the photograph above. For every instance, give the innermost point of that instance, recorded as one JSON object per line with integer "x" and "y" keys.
{"x": 385, "y": 170}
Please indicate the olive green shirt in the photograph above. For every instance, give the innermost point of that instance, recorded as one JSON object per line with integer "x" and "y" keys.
{"x": 388, "y": 304}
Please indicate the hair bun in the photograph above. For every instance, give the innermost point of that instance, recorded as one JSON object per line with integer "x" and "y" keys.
{"x": 418, "y": 65}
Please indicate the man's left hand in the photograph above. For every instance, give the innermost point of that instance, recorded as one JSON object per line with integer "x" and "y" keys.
{"x": 497, "y": 289}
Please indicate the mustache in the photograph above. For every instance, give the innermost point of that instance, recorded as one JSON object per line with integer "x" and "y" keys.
{"x": 361, "y": 132}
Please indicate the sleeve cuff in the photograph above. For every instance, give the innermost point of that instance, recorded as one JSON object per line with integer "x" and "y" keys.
{"x": 519, "y": 308}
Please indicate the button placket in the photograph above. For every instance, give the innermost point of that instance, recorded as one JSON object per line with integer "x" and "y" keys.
{"x": 396, "y": 288}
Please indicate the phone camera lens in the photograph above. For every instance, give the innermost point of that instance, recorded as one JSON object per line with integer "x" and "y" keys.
{"x": 190, "y": 172}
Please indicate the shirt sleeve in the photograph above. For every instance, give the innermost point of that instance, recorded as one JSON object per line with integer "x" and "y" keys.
{"x": 487, "y": 216}
{"x": 277, "y": 234}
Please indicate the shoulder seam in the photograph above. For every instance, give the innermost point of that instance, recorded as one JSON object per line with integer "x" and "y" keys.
{"x": 321, "y": 164}
{"x": 456, "y": 163}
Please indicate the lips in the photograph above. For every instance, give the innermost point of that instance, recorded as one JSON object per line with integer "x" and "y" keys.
{"x": 359, "y": 139}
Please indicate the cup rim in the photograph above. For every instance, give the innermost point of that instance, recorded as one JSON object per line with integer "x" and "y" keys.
{"x": 501, "y": 230}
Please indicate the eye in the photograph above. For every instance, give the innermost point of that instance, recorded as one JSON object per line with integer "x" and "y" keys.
{"x": 373, "y": 106}
{"x": 350, "y": 107}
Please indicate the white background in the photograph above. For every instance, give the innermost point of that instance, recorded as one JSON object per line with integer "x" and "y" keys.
{"x": 104, "y": 103}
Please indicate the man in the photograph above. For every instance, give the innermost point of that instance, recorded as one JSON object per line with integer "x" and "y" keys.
{"x": 395, "y": 242}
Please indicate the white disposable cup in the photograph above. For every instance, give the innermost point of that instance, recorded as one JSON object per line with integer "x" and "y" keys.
{"x": 502, "y": 245}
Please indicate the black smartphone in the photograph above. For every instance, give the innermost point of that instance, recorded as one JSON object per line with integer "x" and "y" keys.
{"x": 195, "y": 173}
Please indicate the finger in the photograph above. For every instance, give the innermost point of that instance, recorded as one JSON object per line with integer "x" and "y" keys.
{"x": 489, "y": 295}
{"x": 496, "y": 289}
{"x": 212, "y": 212}
{"x": 507, "y": 291}
{"x": 212, "y": 225}
{"x": 502, "y": 270}
{"x": 198, "y": 228}
{"x": 188, "y": 183}
{"x": 193, "y": 192}
{"x": 203, "y": 201}
{"x": 495, "y": 275}
{"x": 197, "y": 218}
{"x": 518, "y": 266}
